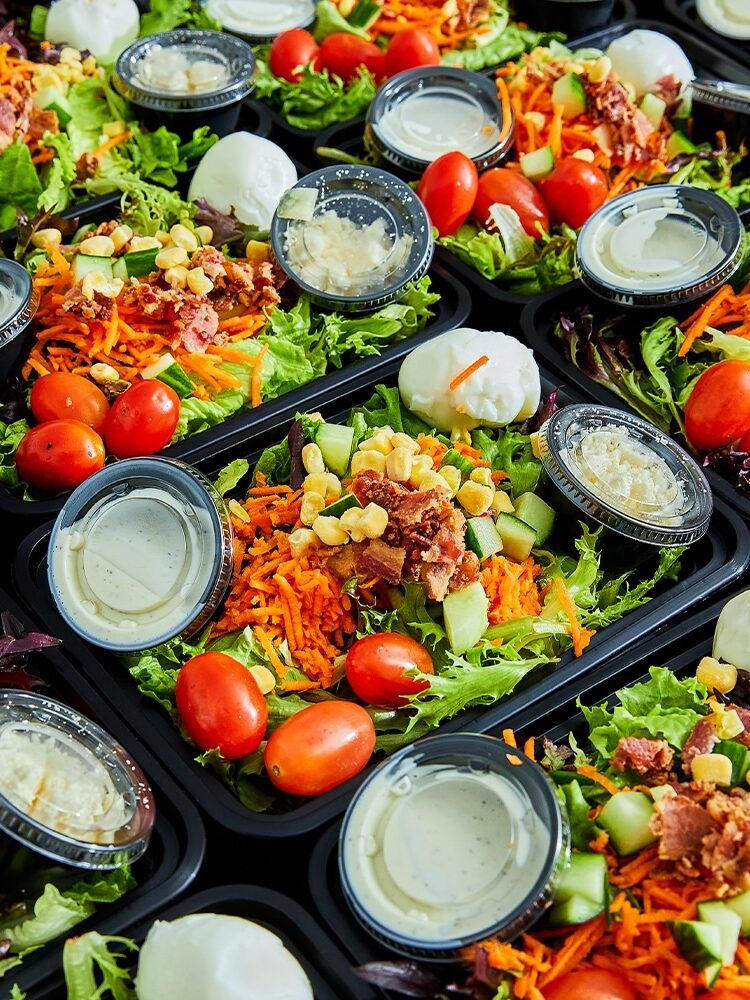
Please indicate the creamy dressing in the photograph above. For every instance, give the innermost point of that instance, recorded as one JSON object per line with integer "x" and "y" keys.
{"x": 261, "y": 17}
{"x": 440, "y": 852}
{"x": 727, "y": 17}
{"x": 177, "y": 70}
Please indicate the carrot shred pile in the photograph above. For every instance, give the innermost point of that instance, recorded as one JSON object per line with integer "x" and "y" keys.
{"x": 726, "y": 310}
{"x": 433, "y": 16}
{"x": 511, "y": 588}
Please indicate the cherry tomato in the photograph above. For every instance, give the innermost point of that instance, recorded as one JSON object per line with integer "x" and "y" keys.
{"x": 59, "y": 455}
{"x": 290, "y": 51}
{"x": 574, "y": 190}
{"x": 319, "y": 748}
{"x": 411, "y": 48}
{"x": 377, "y": 666}
{"x": 590, "y": 984}
{"x": 448, "y": 189}
{"x": 501, "y": 186}
{"x": 60, "y": 395}
{"x": 221, "y": 705}
{"x": 343, "y": 54}
{"x": 718, "y": 409}
{"x": 142, "y": 420}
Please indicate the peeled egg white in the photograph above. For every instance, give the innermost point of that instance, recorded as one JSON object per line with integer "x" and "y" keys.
{"x": 726, "y": 17}
{"x": 245, "y": 174}
{"x": 506, "y": 388}
{"x": 104, "y": 27}
{"x": 643, "y": 57}
{"x": 207, "y": 955}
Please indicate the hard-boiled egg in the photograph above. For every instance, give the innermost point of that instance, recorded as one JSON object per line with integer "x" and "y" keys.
{"x": 208, "y": 955}
{"x": 643, "y": 57}
{"x": 726, "y": 17}
{"x": 244, "y": 174}
{"x": 104, "y": 27}
{"x": 502, "y": 387}
{"x": 732, "y": 635}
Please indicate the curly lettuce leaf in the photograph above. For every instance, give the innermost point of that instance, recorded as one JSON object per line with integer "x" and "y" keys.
{"x": 11, "y": 435}
{"x": 93, "y": 971}
{"x": 330, "y": 21}
{"x": 165, "y": 15}
{"x": 231, "y": 475}
{"x": 317, "y": 99}
{"x": 498, "y": 41}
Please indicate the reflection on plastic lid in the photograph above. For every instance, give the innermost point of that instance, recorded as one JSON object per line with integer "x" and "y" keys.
{"x": 724, "y": 94}
{"x": 18, "y": 300}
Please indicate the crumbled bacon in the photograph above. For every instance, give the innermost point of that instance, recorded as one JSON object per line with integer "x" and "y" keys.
{"x": 471, "y": 13}
{"x": 76, "y": 302}
{"x": 726, "y": 852}
{"x": 86, "y": 166}
{"x": 378, "y": 559}
{"x": 702, "y": 740}
{"x": 629, "y": 129}
{"x": 651, "y": 759}
{"x": 668, "y": 89}
{"x": 41, "y": 122}
{"x": 681, "y": 825}
{"x": 7, "y": 123}
{"x": 237, "y": 283}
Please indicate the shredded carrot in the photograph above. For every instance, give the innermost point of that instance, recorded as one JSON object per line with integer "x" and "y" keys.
{"x": 581, "y": 636}
{"x": 256, "y": 377}
{"x": 706, "y": 316}
{"x": 587, "y": 771}
{"x": 506, "y": 117}
{"x": 468, "y": 372}
{"x": 511, "y": 588}
{"x": 115, "y": 140}
{"x": 509, "y": 737}
{"x": 529, "y": 748}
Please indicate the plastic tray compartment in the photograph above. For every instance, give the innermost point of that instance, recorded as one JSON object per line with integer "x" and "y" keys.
{"x": 327, "y": 967}
{"x": 677, "y": 648}
{"x": 685, "y": 12}
{"x": 537, "y": 325}
{"x": 715, "y": 562}
{"x": 178, "y": 840}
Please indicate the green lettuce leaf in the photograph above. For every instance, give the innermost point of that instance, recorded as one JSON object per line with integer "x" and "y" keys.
{"x": 230, "y": 476}
{"x": 59, "y": 175}
{"x": 499, "y": 41}
{"x": 508, "y": 450}
{"x": 93, "y": 971}
{"x": 20, "y": 186}
{"x": 582, "y": 829}
{"x": 328, "y": 21}
{"x": 241, "y": 777}
{"x": 164, "y": 15}
{"x": 11, "y": 435}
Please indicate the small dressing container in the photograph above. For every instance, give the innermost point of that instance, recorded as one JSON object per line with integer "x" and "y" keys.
{"x": 352, "y": 237}
{"x": 18, "y": 303}
{"x": 623, "y": 472}
{"x": 261, "y": 21}
{"x": 452, "y": 840}
{"x": 422, "y": 113}
{"x": 141, "y": 553}
{"x": 721, "y": 105}
{"x": 68, "y": 791}
{"x": 730, "y": 18}
{"x": 660, "y": 246}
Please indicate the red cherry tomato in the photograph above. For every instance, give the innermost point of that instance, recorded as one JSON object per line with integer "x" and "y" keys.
{"x": 590, "y": 984}
{"x": 574, "y": 190}
{"x": 410, "y": 48}
{"x": 718, "y": 409}
{"x": 377, "y": 667}
{"x": 290, "y": 51}
{"x": 343, "y": 54}
{"x": 221, "y": 705}
{"x": 60, "y": 395}
{"x": 319, "y": 748}
{"x": 59, "y": 455}
{"x": 501, "y": 186}
{"x": 448, "y": 189}
{"x": 142, "y": 420}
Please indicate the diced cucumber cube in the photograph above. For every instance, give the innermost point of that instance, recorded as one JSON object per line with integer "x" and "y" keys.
{"x": 653, "y": 108}
{"x": 538, "y": 164}
{"x": 518, "y": 538}
{"x": 84, "y": 264}
{"x": 464, "y": 465}
{"x": 626, "y": 818}
{"x": 585, "y": 876}
{"x": 465, "y": 616}
{"x": 678, "y": 143}
{"x": 741, "y": 906}
{"x": 120, "y": 269}
{"x": 536, "y": 513}
{"x": 171, "y": 373}
{"x": 482, "y": 537}
{"x": 335, "y": 442}
{"x": 141, "y": 262}
{"x": 699, "y": 942}
{"x": 344, "y": 503}
{"x": 576, "y": 910}
{"x": 570, "y": 92}
{"x": 716, "y": 912}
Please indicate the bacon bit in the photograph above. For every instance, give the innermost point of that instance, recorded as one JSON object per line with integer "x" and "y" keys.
{"x": 468, "y": 372}
{"x": 581, "y": 636}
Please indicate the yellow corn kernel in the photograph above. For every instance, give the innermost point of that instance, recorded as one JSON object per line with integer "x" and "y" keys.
{"x": 111, "y": 129}
{"x": 452, "y": 476}
{"x": 263, "y": 678}
{"x": 301, "y": 541}
{"x": 333, "y": 485}
{"x": 69, "y": 55}
{"x": 184, "y": 237}
{"x": 381, "y": 442}
{"x": 204, "y": 233}
{"x": 502, "y": 503}
{"x": 373, "y": 521}
{"x": 431, "y": 480}
{"x": 89, "y": 65}
{"x": 398, "y": 464}
{"x": 199, "y": 282}
{"x": 713, "y": 767}
{"x": 587, "y": 155}
{"x": 329, "y": 530}
{"x": 97, "y": 246}
{"x": 121, "y": 235}
{"x": 177, "y": 276}
{"x": 534, "y": 442}
{"x": 315, "y": 483}
{"x": 475, "y": 498}
{"x": 370, "y": 460}
{"x": 144, "y": 243}
{"x": 461, "y": 435}
{"x": 312, "y": 505}
{"x": 171, "y": 257}
{"x": 312, "y": 458}
{"x": 350, "y": 522}
{"x": 401, "y": 440}
{"x": 163, "y": 237}
{"x": 716, "y": 676}
{"x": 46, "y": 238}
{"x": 236, "y": 509}
{"x": 420, "y": 466}
{"x": 482, "y": 476}
{"x": 726, "y": 722}
{"x": 600, "y": 70}
{"x": 96, "y": 282}
{"x": 257, "y": 252}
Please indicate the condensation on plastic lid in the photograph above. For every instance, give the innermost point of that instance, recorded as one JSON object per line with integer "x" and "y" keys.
{"x": 724, "y": 94}
{"x": 67, "y": 789}
{"x": 18, "y": 300}
{"x": 625, "y": 473}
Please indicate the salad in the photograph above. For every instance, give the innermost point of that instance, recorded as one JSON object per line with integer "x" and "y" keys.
{"x": 388, "y": 575}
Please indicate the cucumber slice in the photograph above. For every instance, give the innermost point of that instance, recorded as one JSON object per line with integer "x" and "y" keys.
{"x": 365, "y": 14}
{"x": 482, "y": 537}
{"x": 518, "y": 538}
{"x": 661, "y": 791}
{"x": 626, "y": 818}
{"x": 570, "y": 92}
{"x": 120, "y": 269}
{"x": 464, "y": 465}
{"x": 699, "y": 942}
{"x": 576, "y": 910}
{"x": 335, "y": 442}
{"x": 465, "y": 617}
{"x": 716, "y": 912}
{"x": 678, "y": 143}
{"x": 536, "y": 513}
{"x": 84, "y": 264}
{"x": 538, "y": 164}
{"x": 345, "y": 502}
{"x": 141, "y": 262}
{"x": 82, "y": 232}
{"x": 585, "y": 877}
{"x": 653, "y": 108}
{"x": 741, "y": 906}
{"x": 168, "y": 371}
{"x": 739, "y": 756}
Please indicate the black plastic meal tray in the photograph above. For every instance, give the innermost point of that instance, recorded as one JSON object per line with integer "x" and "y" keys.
{"x": 328, "y": 970}
{"x": 538, "y": 324}
{"x": 178, "y": 840}
{"x": 715, "y": 562}
{"x": 679, "y": 648}
{"x": 686, "y": 13}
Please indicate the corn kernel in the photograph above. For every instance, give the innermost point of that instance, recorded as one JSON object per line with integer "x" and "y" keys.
{"x": 726, "y": 722}
{"x": 398, "y": 464}
{"x": 139, "y": 243}
{"x": 420, "y": 465}
{"x": 301, "y": 541}
{"x": 452, "y": 476}
{"x": 312, "y": 458}
{"x": 329, "y": 531}
{"x": 381, "y": 442}
{"x": 502, "y": 503}
{"x": 587, "y": 155}
{"x": 315, "y": 483}
{"x": 69, "y": 55}
{"x": 96, "y": 282}
{"x": 263, "y": 678}
{"x": 204, "y": 233}
{"x": 163, "y": 238}
{"x": 483, "y": 476}
{"x": 365, "y": 461}
{"x": 475, "y": 498}
{"x": 600, "y": 70}
{"x": 257, "y": 252}
{"x": 46, "y": 238}
{"x": 89, "y": 65}
{"x": 333, "y": 485}
{"x": 199, "y": 282}
{"x": 460, "y": 435}
{"x": 171, "y": 257}
{"x": 350, "y": 522}
{"x": 121, "y": 235}
{"x": 312, "y": 505}
{"x": 374, "y": 521}
{"x": 713, "y": 767}
{"x": 236, "y": 509}
{"x": 177, "y": 276}
{"x": 401, "y": 440}
{"x": 111, "y": 129}
{"x": 432, "y": 480}
{"x": 534, "y": 442}
{"x": 716, "y": 676}
{"x": 184, "y": 237}
{"x": 97, "y": 246}
{"x": 103, "y": 373}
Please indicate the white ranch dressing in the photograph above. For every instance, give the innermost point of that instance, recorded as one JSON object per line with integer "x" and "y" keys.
{"x": 727, "y": 17}
{"x": 261, "y": 17}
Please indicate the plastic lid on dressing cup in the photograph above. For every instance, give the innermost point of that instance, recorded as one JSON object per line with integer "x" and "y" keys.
{"x": 67, "y": 789}
{"x": 625, "y": 473}
{"x": 660, "y": 245}
{"x": 723, "y": 94}
{"x": 18, "y": 300}
{"x": 261, "y": 20}
{"x": 141, "y": 553}
{"x": 422, "y": 113}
